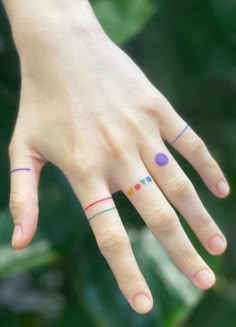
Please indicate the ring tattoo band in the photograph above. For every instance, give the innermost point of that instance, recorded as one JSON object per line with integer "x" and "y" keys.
{"x": 139, "y": 185}
{"x": 179, "y": 135}
{"x": 19, "y": 169}
{"x": 102, "y": 211}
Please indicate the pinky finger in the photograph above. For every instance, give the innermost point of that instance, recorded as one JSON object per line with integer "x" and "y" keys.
{"x": 25, "y": 172}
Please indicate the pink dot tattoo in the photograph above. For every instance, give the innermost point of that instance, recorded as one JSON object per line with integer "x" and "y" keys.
{"x": 138, "y": 186}
{"x": 161, "y": 159}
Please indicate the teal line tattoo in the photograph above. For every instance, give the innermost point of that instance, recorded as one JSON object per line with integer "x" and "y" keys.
{"x": 99, "y": 213}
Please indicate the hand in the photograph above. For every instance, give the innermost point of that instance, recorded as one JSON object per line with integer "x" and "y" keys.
{"x": 88, "y": 109}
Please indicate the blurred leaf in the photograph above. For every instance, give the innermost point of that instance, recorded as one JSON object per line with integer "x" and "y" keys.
{"x": 173, "y": 294}
{"x": 38, "y": 253}
{"x": 224, "y": 11}
{"x": 217, "y": 309}
{"x": 76, "y": 315}
{"x": 123, "y": 19}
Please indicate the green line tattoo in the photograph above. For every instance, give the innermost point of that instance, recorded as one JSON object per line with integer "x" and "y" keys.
{"x": 99, "y": 213}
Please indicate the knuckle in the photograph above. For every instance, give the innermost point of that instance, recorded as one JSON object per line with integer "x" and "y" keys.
{"x": 154, "y": 104}
{"x": 180, "y": 187}
{"x": 111, "y": 242}
{"x": 115, "y": 147}
{"x": 17, "y": 201}
{"x": 113, "y": 140}
{"x": 133, "y": 124}
{"x": 162, "y": 219}
{"x": 190, "y": 260}
{"x": 212, "y": 166}
{"x": 203, "y": 223}
{"x": 79, "y": 164}
{"x": 19, "y": 204}
{"x": 197, "y": 146}
{"x": 118, "y": 151}
{"x": 129, "y": 279}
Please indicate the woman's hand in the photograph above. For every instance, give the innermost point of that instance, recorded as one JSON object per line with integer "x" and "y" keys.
{"x": 88, "y": 109}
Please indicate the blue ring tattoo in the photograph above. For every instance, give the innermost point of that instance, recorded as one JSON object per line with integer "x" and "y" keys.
{"x": 20, "y": 169}
{"x": 180, "y": 134}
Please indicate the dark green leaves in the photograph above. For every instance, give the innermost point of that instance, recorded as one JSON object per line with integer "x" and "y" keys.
{"x": 123, "y": 19}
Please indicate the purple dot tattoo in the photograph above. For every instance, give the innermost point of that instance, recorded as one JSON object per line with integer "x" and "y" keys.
{"x": 161, "y": 159}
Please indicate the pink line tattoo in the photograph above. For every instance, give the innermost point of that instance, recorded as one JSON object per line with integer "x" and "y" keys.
{"x": 92, "y": 204}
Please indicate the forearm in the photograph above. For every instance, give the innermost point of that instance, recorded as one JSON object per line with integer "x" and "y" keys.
{"x": 34, "y": 20}
{"x": 16, "y": 9}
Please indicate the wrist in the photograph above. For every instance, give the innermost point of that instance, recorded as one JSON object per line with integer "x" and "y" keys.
{"x": 41, "y": 22}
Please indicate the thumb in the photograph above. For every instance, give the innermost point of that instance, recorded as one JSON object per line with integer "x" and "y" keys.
{"x": 25, "y": 172}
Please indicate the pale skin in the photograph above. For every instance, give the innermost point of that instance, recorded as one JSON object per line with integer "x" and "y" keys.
{"x": 87, "y": 108}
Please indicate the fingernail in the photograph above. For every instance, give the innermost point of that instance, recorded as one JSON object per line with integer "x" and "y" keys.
{"x": 223, "y": 188}
{"x": 17, "y": 234}
{"x": 204, "y": 279}
{"x": 142, "y": 303}
{"x": 217, "y": 244}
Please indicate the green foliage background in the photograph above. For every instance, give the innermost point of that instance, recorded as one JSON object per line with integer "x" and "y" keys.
{"x": 188, "y": 50}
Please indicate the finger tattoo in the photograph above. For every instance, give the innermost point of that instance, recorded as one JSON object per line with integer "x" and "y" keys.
{"x": 179, "y": 135}
{"x": 139, "y": 185}
{"x": 19, "y": 169}
{"x": 102, "y": 211}
{"x": 161, "y": 159}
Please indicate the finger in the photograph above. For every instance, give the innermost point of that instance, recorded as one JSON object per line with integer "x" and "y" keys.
{"x": 25, "y": 172}
{"x": 182, "y": 195}
{"x": 165, "y": 226}
{"x": 114, "y": 244}
{"x": 182, "y": 137}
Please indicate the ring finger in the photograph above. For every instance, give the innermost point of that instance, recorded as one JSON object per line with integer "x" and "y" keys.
{"x": 164, "y": 224}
